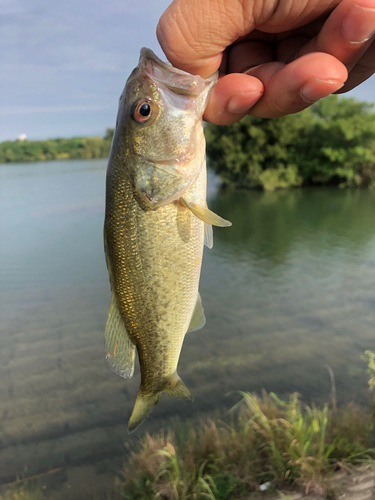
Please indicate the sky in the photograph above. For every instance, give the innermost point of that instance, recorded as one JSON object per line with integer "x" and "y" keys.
{"x": 64, "y": 63}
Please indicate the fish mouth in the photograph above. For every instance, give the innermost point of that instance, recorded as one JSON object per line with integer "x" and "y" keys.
{"x": 162, "y": 72}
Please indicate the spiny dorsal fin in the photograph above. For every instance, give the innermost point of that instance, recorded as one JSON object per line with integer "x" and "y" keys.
{"x": 206, "y": 215}
{"x": 119, "y": 348}
{"x": 198, "y": 319}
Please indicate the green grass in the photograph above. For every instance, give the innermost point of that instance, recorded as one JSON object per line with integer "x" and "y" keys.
{"x": 263, "y": 439}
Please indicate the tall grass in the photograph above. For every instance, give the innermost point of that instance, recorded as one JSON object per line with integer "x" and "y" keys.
{"x": 264, "y": 439}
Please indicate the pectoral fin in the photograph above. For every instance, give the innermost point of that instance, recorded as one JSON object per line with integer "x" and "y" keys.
{"x": 119, "y": 348}
{"x": 205, "y": 214}
{"x": 198, "y": 319}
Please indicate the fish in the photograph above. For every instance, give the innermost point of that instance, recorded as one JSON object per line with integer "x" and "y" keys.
{"x": 156, "y": 224}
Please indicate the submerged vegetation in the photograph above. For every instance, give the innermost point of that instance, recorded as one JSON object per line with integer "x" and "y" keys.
{"x": 332, "y": 142}
{"x": 76, "y": 148}
{"x": 266, "y": 441}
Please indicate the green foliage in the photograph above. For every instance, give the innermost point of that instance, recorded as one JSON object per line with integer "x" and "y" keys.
{"x": 56, "y": 149}
{"x": 225, "y": 484}
{"x": 267, "y": 439}
{"x": 333, "y": 142}
{"x": 109, "y": 134}
{"x": 369, "y": 357}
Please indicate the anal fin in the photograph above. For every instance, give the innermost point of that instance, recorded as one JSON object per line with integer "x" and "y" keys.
{"x": 119, "y": 348}
{"x": 198, "y": 319}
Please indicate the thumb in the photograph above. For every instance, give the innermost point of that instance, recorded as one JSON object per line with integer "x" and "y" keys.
{"x": 194, "y": 33}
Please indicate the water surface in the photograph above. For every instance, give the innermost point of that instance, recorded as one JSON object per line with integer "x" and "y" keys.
{"x": 287, "y": 291}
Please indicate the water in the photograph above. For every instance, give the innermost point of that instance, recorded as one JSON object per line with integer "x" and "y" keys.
{"x": 287, "y": 291}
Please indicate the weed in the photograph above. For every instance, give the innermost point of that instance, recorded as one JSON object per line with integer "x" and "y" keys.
{"x": 264, "y": 439}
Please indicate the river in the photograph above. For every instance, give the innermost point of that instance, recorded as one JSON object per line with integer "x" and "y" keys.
{"x": 288, "y": 291}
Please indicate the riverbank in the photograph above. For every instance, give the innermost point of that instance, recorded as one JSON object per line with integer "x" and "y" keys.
{"x": 264, "y": 444}
{"x": 263, "y": 447}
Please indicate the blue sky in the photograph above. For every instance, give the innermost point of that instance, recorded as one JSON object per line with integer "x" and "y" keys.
{"x": 64, "y": 63}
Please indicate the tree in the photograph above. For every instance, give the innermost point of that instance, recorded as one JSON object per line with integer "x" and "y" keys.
{"x": 330, "y": 143}
{"x": 109, "y": 134}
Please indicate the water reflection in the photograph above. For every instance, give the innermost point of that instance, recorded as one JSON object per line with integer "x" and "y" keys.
{"x": 269, "y": 225}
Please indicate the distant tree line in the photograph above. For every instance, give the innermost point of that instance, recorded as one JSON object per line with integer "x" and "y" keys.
{"x": 333, "y": 142}
{"x": 56, "y": 149}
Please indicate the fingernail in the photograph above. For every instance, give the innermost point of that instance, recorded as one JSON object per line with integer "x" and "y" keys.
{"x": 241, "y": 102}
{"x": 359, "y": 24}
{"x": 315, "y": 89}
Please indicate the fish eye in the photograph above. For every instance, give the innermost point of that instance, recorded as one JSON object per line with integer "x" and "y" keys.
{"x": 142, "y": 111}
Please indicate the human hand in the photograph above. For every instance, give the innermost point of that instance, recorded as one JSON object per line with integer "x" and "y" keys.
{"x": 276, "y": 57}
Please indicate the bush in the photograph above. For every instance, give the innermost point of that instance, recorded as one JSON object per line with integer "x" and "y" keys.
{"x": 333, "y": 142}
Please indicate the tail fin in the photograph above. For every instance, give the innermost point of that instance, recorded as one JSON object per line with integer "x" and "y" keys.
{"x": 177, "y": 389}
{"x": 144, "y": 404}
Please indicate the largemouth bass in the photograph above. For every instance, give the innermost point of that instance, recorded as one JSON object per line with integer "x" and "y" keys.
{"x": 156, "y": 222}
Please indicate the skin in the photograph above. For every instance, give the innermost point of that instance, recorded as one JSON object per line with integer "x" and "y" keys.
{"x": 275, "y": 57}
